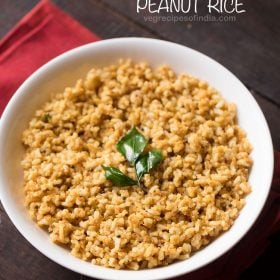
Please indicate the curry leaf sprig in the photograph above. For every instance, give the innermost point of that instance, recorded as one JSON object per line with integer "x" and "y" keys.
{"x": 132, "y": 147}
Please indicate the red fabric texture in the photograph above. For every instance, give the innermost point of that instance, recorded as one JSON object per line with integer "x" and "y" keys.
{"x": 46, "y": 32}
{"x": 41, "y": 35}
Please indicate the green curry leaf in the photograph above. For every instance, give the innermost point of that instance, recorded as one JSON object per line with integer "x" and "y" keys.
{"x": 146, "y": 162}
{"x": 117, "y": 177}
{"x": 132, "y": 145}
{"x": 46, "y": 118}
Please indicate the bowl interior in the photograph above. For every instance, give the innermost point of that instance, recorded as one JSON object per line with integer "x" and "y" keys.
{"x": 64, "y": 71}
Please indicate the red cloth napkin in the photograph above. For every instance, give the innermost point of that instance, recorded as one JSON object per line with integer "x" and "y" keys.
{"x": 47, "y": 32}
{"x": 41, "y": 35}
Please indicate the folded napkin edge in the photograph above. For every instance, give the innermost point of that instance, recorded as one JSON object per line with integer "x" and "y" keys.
{"x": 30, "y": 24}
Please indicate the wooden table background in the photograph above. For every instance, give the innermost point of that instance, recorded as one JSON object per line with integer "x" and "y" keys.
{"x": 249, "y": 47}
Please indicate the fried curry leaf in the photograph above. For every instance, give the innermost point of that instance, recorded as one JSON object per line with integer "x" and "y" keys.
{"x": 132, "y": 145}
{"x": 117, "y": 177}
{"x": 46, "y": 118}
{"x": 146, "y": 162}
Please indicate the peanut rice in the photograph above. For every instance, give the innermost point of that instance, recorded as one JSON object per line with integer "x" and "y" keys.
{"x": 193, "y": 196}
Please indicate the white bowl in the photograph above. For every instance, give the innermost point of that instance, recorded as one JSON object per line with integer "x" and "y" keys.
{"x": 63, "y": 71}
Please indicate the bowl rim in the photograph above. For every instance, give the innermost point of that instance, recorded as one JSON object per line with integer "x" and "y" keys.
{"x": 108, "y": 273}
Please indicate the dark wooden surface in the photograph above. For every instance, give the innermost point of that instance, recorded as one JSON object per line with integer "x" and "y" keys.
{"x": 249, "y": 47}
